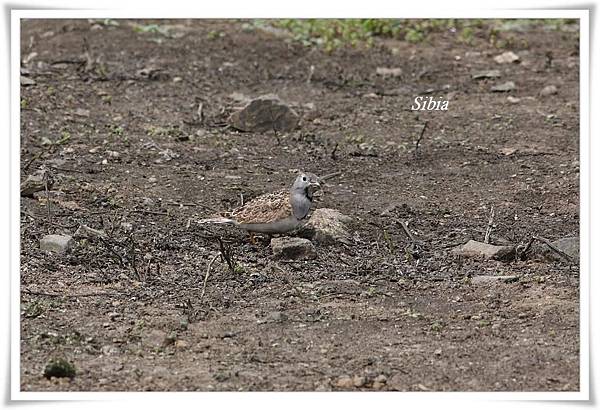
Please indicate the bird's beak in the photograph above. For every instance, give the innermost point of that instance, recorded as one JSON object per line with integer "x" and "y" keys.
{"x": 315, "y": 185}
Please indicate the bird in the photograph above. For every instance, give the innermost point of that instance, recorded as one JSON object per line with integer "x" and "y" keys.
{"x": 274, "y": 213}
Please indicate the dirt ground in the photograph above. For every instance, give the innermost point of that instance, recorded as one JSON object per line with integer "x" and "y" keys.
{"x": 113, "y": 114}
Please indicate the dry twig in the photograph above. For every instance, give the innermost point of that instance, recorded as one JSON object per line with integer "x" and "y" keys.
{"x": 417, "y": 144}
{"x": 488, "y": 232}
{"x": 208, "y": 273}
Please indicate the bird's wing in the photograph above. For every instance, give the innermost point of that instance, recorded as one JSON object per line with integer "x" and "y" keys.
{"x": 264, "y": 209}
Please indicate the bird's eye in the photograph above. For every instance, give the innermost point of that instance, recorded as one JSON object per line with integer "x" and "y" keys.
{"x": 304, "y": 178}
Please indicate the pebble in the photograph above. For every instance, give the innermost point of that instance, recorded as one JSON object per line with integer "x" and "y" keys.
{"x": 345, "y": 382}
{"x": 475, "y": 249}
{"x": 388, "y": 72}
{"x": 507, "y": 86}
{"x": 549, "y": 90}
{"x": 265, "y": 113}
{"x": 293, "y": 248}
{"x": 359, "y": 381}
{"x": 506, "y": 57}
{"x": 56, "y": 243}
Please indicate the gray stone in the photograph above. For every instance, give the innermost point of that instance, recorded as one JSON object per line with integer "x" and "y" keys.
{"x": 490, "y": 279}
{"x": 56, "y": 243}
{"x": 36, "y": 182}
{"x": 265, "y": 113}
{"x": 327, "y": 226}
{"x": 345, "y": 382}
{"x": 549, "y": 90}
{"x": 25, "y": 81}
{"x": 359, "y": 381}
{"x": 293, "y": 248}
{"x": 507, "y": 57}
{"x": 389, "y": 72}
{"x": 486, "y": 74}
{"x": 474, "y": 249}
{"x": 568, "y": 245}
{"x": 505, "y": 87}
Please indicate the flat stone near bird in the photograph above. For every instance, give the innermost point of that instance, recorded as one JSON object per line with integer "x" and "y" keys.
{"x": 474, "y": 249}
{"x": 56, "y": 243}
{"x": 293, "y": 248}
{"x": 265, "y": 113}
{"x": 327, "y": 226}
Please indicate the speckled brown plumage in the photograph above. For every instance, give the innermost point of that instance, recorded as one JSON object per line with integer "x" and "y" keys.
{"x": 264, "y": 209}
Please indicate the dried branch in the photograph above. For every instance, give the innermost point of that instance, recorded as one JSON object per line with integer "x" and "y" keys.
{"x": 488, "y": 232}
{"x": 208, "y": 273}
{"x": 417, "y": 144}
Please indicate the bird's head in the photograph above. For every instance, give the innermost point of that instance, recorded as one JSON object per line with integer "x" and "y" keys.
{"x": 306, "y": 183}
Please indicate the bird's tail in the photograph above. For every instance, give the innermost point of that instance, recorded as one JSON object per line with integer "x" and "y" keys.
{"x": 217, "y": 220}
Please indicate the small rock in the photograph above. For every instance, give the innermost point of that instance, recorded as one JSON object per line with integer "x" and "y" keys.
{"x": 147, "y": 201}
{"x": 486, "y": 74}
{"x": 86, "y": 232}
{"x": 265, "y": 113}
{"x": 345, "y": 382}
{"x": 155, "y": 338}
{"x": 549, "y": 90}
{"x": 508, "y": 151}
{"x": 438, "y": 352}
{"x": 152, "y": 180}
{"x": 490, "y": 279}
{"x": 398, "y": 382}
{"x": 276, "y": 317}
{"x": 80, "y": 112}
{"x": 59, "y": 368}
{"x": 381, "y": 379}
{"x": 474, "y": 249}
{"x": 126, "y": 226}
{"x": 388, "y": 72}
{"x": 26, "y": 81}
{"x": 180, "y": 344}
{"x": 568, "y": 245}
{"x": 327, "y": 226}
{"x": 293, "y": 248}
{"x": 36, "y": 182}
{"x": 56, "y": 243}
{"x": 505, "y": 87}
{"x": 113, "y": 154}
{"x": 513, "y": 100}
{"x": 507, "y": 57}
{"x": 359, "y": 381}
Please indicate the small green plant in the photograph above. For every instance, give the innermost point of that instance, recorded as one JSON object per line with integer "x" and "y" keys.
{"x": 24, "y": 103}
{"x": 59, "y": 368}
{"x": 152, "y": 29}
{"x": 214, "y": 34}
{"x": 34, "y": 309}
{"x": 466, "y": 35}
{"x": 65, "y": 136}
{"x": 437, "y": 326}
{"x": 116, "y": 130}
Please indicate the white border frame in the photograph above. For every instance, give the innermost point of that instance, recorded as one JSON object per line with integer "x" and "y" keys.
{"x": 325, "y": 9}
